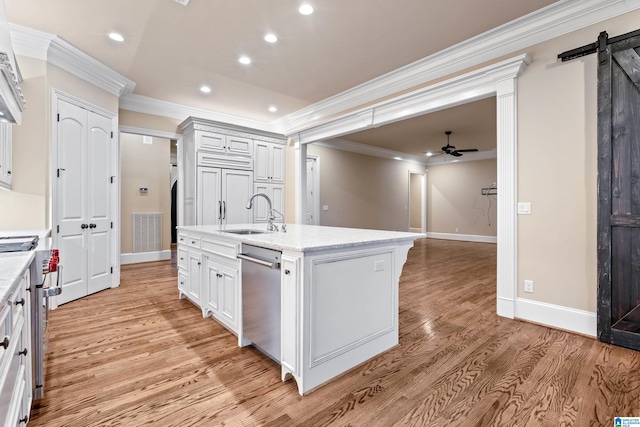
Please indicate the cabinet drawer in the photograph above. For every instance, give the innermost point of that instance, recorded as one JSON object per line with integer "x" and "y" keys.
{"x": 182, "y": 258}
{"x": 194, "y": 242}
{"x": 239, "y": 146}
{"x": 223, "y": 249}
{"x": 225, "y": 161}
{"x": 183, "y": 279}
{"x": 182, "y": 239}
{"x": 210, "y": 142}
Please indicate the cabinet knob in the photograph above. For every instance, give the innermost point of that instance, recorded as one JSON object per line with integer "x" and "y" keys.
{"x": 23, "y": 352}
{"x": 287, "y": 272}
{"x": 5, "y": 343}
{"x": 25, "y": 419}
{"x": 8, "y": 172}
{"x": 21, "y": 302}
{"x": 199, "y": 263}
{"x": 218, "y": 275}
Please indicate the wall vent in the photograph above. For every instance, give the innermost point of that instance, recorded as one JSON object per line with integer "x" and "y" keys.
{"x": 147, "y": 231}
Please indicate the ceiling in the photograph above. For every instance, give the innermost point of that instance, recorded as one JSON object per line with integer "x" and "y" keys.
{"x": 170, "y": 50}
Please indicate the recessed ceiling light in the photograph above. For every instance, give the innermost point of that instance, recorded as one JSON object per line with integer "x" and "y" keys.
{"x": 273, "y": 109}
{"x": 429, "y": 154}
{"x": 205, "y": 89}
{"x": 244, "y": 60}
{"x": 116, "y": 36}
{"x": 270, "y": 38}
{"x": 306, "y": 9}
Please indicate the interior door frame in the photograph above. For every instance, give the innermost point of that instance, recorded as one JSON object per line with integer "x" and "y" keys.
{"x": 423, "y": 201}
{"x": 58, "y": 95}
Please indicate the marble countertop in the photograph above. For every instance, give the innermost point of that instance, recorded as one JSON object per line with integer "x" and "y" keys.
{"x": 305, "y": 238}
{"x": 13, "y": 264}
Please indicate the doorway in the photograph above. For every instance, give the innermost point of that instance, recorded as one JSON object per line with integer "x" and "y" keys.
{"x": 417, "y": 202}
{"x": 312, "y": 215}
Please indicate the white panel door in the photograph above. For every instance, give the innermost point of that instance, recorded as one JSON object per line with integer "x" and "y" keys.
{"x": 71, "y": 200}
{"x": 237, "y": 189}
{"x": 277, "y": 163}
{"x": 98, "y": 202}
{"x": 84, "y": 154}
{"x": 209, "y": 210}
{"x": 312, "y": 194}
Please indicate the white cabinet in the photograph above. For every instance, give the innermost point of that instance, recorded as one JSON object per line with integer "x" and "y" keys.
{"x": 5, "y": 156}
{"x": 209, "y": 276}
{"x": 223, "y": 144}
{"x": 269, "y": 162}
{"x": 222, "y": 288}
{"x": 207, "y": 195}
{"x": 275, "y": 192}
{"x": 223, "y": 195}
{"x": 15, "y": 356}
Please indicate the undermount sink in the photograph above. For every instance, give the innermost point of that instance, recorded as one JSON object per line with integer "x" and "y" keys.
{"x": 244, "y": 231}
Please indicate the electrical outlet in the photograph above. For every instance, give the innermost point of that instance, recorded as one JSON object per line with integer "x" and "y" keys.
{"x": 528, "y": 286}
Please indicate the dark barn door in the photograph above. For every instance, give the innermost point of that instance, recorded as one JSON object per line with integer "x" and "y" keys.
{"x": 619, "y": 193}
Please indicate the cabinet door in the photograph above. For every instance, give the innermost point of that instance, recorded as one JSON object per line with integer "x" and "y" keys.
{"x": 211, "y": 284}
{"x": 277, "y": 163}
{"x": 239, "y": 146}
{"x": 5, "y": 155}
{"x": 229, "y": 296}
{"x": 237, "y": 188}
{"x": 183, "y": 282}
{"x": 261, "y": 162}
{"x": 276, "y": 194}
{"x": 195, "y": 263}
{"x": 209, "y": 201}
{"x": 211, "y": 142}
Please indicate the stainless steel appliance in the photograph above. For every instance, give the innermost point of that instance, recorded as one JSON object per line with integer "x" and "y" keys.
{"x": 42, "y": 287}
{"x": 261, "y": 299}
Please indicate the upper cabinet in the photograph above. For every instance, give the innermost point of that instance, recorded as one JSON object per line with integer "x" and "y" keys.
{"x": 5, "y": 156}
{"x": 12, "y": 101}
{"x": 210, "y": 152}
{"x": 269, "y": 162}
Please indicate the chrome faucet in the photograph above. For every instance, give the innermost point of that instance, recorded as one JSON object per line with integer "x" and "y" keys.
{"x": 270, "y": 213}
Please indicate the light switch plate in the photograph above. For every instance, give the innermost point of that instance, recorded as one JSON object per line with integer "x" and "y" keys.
{"x": 524, "y": 208}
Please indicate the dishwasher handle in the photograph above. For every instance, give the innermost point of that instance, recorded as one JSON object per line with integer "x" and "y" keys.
{"x": 275, "y": 265}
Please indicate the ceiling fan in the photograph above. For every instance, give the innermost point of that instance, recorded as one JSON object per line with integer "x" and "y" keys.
{"x": 450, "y": 149}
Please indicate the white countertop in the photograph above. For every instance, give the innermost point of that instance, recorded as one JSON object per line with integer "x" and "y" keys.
{"x": 13, "y": 264}
{"x": 304, "y": 238}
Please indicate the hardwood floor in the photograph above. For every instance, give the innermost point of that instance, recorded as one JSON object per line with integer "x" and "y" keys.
{"x": 137, "y": 355}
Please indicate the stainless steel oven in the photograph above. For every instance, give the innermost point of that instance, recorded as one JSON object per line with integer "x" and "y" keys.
{"x": 46, "y": 277}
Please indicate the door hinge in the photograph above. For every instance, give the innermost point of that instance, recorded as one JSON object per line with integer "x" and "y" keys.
{"x": 111, "y": 135}
{"x": 58, "y": 172}
{"x": 111, "y": 179}
{"x": 111, "y": 224}
{"x": 111, "y": 270}
{"x": 57, "y": 229}
{"x": 58, "y": 117}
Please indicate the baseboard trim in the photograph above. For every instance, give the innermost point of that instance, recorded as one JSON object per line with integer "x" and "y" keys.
{"x": 138, "y": 257}
{"x": 415, "y": 230}
{"x": 557, "y": 316}
{"x": 463, "y": 237}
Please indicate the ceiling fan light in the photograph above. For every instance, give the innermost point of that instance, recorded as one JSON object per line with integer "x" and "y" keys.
{"x": 429, "y": 154}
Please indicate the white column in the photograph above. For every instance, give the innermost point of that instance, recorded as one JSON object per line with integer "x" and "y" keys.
{"x": 507, "y": 191}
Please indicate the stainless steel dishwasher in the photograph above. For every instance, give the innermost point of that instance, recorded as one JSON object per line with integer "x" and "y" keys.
{"x": 261, "y": 298}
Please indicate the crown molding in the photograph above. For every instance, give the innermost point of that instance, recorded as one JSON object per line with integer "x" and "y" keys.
{"x": 477, "y": 84}
{"x": 29, "y": 42}
{"x": 369, "y": 150}
{"x": 552, "y": 21}
{"x": 157, "y": 107}
{"x": 64, "y": 55}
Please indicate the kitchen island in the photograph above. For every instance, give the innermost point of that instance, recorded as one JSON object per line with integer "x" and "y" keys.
{"x": 338, "y": 290}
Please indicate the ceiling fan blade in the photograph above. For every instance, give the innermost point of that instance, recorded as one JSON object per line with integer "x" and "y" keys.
{"x": 467, "y": 150}
{"x": 455, "y": 153}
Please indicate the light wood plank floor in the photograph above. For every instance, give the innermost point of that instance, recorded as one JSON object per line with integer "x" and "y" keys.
{"x": 137, "y": 355}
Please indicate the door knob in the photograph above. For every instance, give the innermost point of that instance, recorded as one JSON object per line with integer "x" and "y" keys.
{"x": 83, "y": 226}
{"x": 92, "y": 225}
